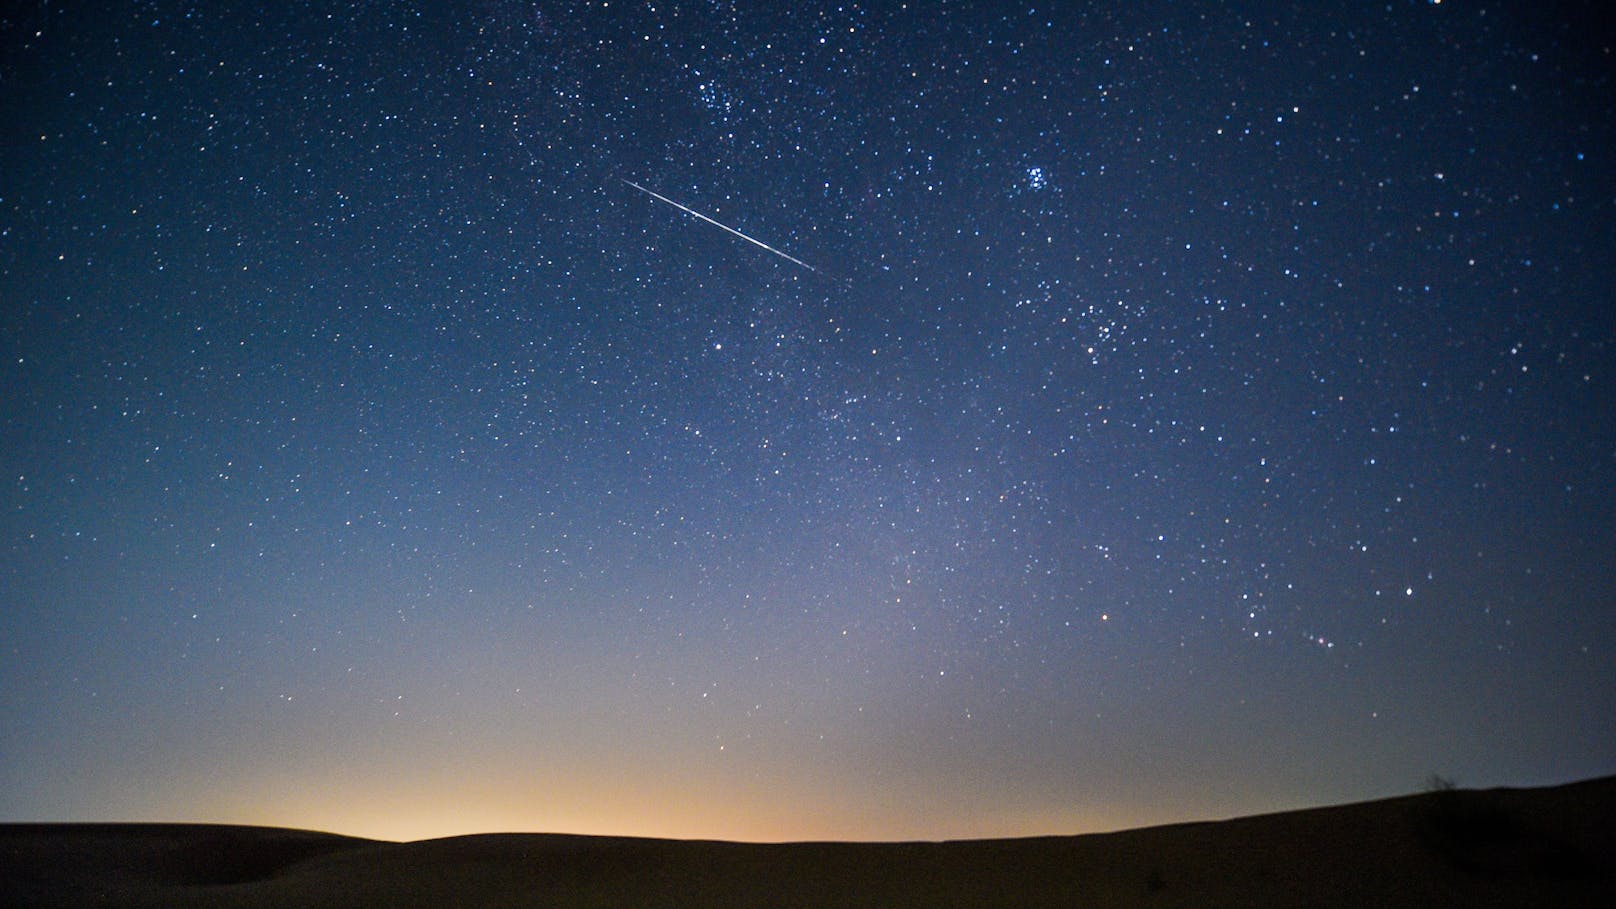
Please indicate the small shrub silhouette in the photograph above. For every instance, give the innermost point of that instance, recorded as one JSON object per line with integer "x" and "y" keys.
{"x": 1436, "y": 782}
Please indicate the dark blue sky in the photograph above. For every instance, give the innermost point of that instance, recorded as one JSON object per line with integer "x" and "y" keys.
{"x": 1188, "y": 410}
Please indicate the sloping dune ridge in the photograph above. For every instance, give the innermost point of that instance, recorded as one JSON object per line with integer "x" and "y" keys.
{"x": 1553, "y": 846}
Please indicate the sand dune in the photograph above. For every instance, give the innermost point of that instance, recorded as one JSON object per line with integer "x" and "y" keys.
{"x": 1506, "y": 847}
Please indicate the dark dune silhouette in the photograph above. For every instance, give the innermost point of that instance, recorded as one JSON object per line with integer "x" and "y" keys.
{"x": 1503, "y": 847}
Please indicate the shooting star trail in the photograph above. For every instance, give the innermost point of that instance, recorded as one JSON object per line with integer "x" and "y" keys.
{"x": 688, "y": 210}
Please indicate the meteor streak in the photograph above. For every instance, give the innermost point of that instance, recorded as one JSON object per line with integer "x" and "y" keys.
{"x": 688, "y": 210}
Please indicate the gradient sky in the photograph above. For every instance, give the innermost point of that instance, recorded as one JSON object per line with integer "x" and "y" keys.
{"x": 1181, "y": 410}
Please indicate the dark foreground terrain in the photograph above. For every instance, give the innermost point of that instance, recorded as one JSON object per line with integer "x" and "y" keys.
{"x": 1504, "y": 847}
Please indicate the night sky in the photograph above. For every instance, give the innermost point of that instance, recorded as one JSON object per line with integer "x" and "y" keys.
{"x": 1122, "y": 413}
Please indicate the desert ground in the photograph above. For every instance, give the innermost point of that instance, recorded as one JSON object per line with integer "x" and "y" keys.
{"x": 1501, "y": 847}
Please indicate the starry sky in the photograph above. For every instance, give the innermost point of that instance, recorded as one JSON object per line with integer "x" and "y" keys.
{"x": 1124, "y": 412}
